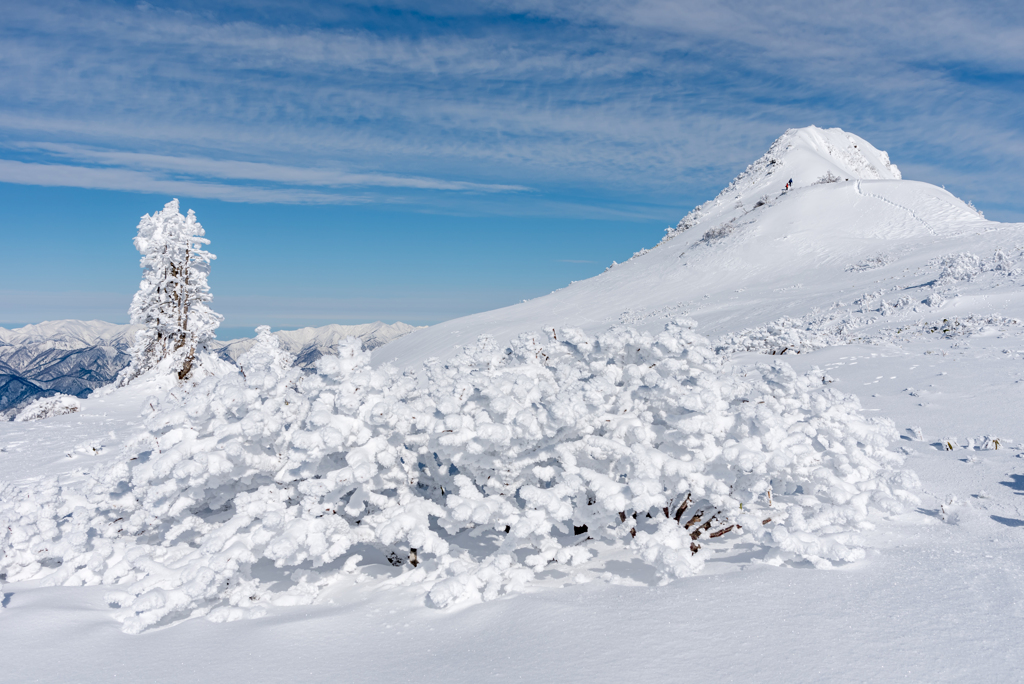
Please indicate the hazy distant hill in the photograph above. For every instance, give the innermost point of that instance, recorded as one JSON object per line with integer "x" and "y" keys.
{"x": 76, "y": 357}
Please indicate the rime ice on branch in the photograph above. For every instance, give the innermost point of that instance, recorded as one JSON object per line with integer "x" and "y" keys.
{"x": 172, "y": 301}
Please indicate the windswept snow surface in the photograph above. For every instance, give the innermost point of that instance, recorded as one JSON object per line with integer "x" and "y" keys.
{"x": 892, "y": 290}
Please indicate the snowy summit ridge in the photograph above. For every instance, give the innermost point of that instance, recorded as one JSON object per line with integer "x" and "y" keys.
{"x": 808, "y": 156}
{"x": 68, "y": 334}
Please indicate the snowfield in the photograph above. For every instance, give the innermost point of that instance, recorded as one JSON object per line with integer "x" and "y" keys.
{"x": 809, "y": 399}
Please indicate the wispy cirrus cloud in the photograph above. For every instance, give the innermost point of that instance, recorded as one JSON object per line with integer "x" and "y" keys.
{"x": 244, "y": 170}
{"x": 64, "y": 175}
{"x": 158, "y": 173}
{"x": 609, "y": 99}
{"x": 515, "y": 129}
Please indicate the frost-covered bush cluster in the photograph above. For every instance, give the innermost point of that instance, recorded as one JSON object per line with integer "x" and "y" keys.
{"x": 999, "y": 262}
{"x": 955, "y": 268}
{"x": 263, "y": 485}
{"x": 972, "y": 324}
{"x": 827, "y": 177}
{"x": 791, "y": 335}
{"x": 951, "y": 328}
{"x": 55, "y": 405}
{"x": 718, "y": 232}
{"x": 898, "y": 305}
{"x": 872, "y": 322}
{"x": 870, "y": 263}
{"x": 883, "y": 303}
{"x": 965, "y": 267}
{"x": 982, "y": 443}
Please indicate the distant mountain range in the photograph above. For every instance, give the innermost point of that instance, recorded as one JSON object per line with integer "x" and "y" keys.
{"x": 76, "y": 357}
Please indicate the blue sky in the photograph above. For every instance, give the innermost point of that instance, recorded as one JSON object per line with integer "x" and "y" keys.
{"x": 419, "y": 161}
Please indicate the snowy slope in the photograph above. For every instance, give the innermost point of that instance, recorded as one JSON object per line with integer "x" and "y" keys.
{"x": 732, "y": 264}
{"x": 893, "y": 290}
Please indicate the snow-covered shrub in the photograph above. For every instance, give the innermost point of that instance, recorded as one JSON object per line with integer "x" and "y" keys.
{"x": 990, "y": 443}
{"x": 791, "y": 335}
{"x": 972, "y": 324}
{"x": 870, "y": 263}
{"x": 718, "y": 232}
{"x": 952, "y": 511}
{"x": 955, "y": 268}
{"x": 827, "y": 177}
{"x": 46, "y": 407}
{"x": 258, "y": 487}
{"x": 999, "y": 262}
{"x": 891, "y": 308}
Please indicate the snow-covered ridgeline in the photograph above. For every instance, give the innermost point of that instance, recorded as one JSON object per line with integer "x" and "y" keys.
{"x": 67, "y": 357}
{"x": 68, "y": 334}
{"x": 539, "y": 452}
{"x": 805, "y": 156}
{"x": 74, "y": 334}
{"x": 308, "y": 344}
{"x": 76, "y": 357}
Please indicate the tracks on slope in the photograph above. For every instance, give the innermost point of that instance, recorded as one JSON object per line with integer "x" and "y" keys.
{"x": 910, "y": 211}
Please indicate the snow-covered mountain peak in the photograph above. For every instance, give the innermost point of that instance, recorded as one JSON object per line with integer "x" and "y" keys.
{"x": 813, "y": 155}
{"x": 806, "y": 156}
{"x": 847, "y": 223}
{"x": 67, "y": 334}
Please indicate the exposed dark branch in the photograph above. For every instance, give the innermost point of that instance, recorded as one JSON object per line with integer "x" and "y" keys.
{"x": 682, "y": 507}
{"x": 694, "y": 520}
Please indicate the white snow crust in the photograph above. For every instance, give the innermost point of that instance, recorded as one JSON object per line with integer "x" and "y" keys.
{"x": 886, "y": 308}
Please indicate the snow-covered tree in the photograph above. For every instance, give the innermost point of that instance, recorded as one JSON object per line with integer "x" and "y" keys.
{"x": 172, "y": 301}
